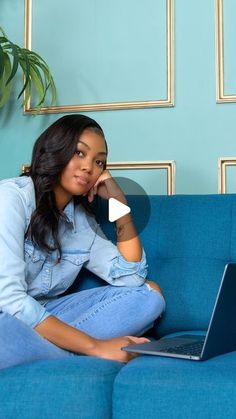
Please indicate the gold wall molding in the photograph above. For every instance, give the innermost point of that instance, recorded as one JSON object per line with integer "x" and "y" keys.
{"x": 221, "y": 97}
{"x": 167, "y": 102}
{"x": 168, "y": 165}
{"x": 223, "y": 163}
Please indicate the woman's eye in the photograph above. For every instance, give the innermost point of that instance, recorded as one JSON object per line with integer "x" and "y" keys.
{"x": 79, "y": 153}
{"x": 100, "y": 163}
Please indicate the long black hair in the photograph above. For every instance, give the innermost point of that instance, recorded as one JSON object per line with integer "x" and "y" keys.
{"x": 51, "y": 153}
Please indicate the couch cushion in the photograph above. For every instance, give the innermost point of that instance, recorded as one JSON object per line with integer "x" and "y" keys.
{"x": 188, "y": 240}
{"x": 190, "y": 288}
{"x": 158, "y": 387}
{"x": 190, "y": 243}
{"x": 78, "y": 387}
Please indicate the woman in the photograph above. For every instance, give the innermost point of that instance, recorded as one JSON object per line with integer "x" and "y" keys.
{"x": 47, "y": 234}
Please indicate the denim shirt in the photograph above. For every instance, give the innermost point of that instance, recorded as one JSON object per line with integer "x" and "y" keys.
{"x": 30, "y": 277}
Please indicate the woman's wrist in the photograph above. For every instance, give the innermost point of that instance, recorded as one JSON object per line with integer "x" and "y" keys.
{"x": 92, "y": 347}
{"x": 114, "y": 190}
{"x": 120, "y": 194}
{"x": 96, "y": 348}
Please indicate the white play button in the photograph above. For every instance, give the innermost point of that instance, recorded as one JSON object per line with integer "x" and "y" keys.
{"x": 116, "y": 209}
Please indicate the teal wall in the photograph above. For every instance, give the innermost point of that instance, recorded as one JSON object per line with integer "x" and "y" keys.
{"x": 194, "y": 133}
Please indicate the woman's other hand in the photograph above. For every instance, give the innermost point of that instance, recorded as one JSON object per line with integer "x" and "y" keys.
{"x": 111, "y": 349}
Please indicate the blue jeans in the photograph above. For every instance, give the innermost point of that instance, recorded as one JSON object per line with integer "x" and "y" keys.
{"x": 103, "y": 312}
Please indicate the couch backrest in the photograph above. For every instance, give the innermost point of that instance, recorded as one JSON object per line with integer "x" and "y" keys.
{"x": 188, "y": 240}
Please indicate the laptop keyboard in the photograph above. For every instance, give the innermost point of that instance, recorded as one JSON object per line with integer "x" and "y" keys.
{"x": 194, "y": 349}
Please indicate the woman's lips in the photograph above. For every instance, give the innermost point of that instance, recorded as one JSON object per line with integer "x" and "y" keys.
{"x": 81, "y": 180}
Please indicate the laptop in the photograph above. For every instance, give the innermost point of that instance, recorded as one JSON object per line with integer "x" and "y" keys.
{"x": 220, "y": 337}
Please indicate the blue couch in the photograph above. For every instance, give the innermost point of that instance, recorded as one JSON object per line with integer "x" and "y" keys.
{"x": 188, "y": 241}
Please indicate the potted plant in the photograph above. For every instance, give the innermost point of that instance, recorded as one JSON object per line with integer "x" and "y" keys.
{"x": 37, "y": 75}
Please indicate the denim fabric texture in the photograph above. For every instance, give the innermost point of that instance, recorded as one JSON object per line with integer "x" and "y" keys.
{"x": 20, "y": 344}
{"x": 107, "y": 312}
{"x": 102, "y": 312}
{"x": 30, "y": 277}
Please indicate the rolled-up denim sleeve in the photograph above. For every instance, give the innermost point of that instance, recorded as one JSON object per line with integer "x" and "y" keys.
{"x": 107, "y": 263}
{"x": 13, "y": 287}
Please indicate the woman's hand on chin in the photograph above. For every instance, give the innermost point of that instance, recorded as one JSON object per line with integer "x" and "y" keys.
{"x": 105, "y": 187}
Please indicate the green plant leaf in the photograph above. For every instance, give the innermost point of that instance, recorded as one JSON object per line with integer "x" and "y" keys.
{"x": 49, "y": 82}
{"x": 38, "y": 83}
{"x": 25, "y": 68}
{"x": 14, "y": 49}
{"x": 27, "y": 90}
{"x": 36, "y": 56}
{"x": 27, "y": 93}
{"x": 48, "y": 79}
{"x": 3, "y": 40}
{"x": 1, "y": 62}
{"x": 1, "y": 30}
{"x": 6, "y": 90}
{"x": 37, "y": 75}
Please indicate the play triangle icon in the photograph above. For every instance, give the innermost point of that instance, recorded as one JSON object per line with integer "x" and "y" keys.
{"x": 116, "y": 209}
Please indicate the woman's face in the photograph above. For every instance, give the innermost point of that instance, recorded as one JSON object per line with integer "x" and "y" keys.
{"x": 83, "y": 170}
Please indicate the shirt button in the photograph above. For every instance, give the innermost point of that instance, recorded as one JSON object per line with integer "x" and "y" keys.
{"x": 47, "y": 271}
